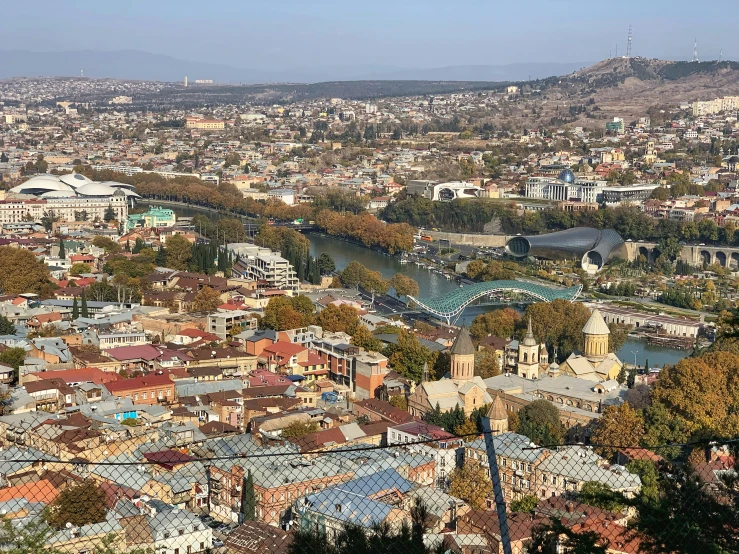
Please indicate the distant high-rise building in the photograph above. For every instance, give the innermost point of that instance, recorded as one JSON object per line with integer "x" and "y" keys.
{"x": 185, "y": 80}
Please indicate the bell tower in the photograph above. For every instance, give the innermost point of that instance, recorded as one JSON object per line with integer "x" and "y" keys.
{"x": 528, "y": 356}
{"x": 463, "y": 357}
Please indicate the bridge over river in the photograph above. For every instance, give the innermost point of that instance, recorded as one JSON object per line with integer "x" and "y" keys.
{"x": 450, "y": 306}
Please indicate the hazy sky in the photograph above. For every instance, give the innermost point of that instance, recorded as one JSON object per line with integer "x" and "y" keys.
{"x": 401, "y": 33}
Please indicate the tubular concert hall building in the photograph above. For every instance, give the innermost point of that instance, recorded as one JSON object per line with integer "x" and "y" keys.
{"x": 592, "y": 247}
{"x": 67, "y": 197}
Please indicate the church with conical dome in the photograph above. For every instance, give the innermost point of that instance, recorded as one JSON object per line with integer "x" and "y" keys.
{"x": 459, "y": 388}
{"x": 596, "y": 363}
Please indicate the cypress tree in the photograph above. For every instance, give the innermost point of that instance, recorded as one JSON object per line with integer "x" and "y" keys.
{"x": 62, "y": 249}
{"x": 161, "y": 259}
{"x": 128, "y": 245}
{"x": 84, "y": 311}
{"x": 248, "y": 499}
{"x": 75, "y": 309}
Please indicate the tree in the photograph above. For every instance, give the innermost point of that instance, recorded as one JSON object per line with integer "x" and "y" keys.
{"x": 352, "y": 274}
{"x": 486, "y": 364}
{"x": 649, "y": 475}
{"x": 280, "y": 315}
{"x": 248, "y": 499}
{"x": 334, "y": 318}
{"x": 109, "y": 245}
{"x": 408, "y": 356}
{"x": 84, "y": 312}
{"x": 161, "y": 259}
{"x": 399, "y": 401}
{"x": 559, "y": 323}
{"x": 206, "y": 300}
{"x": 14, "y": 358}
{"x": 498, "y": 323}
{"x": 138, "y": 245}
{"x": 540, "y": 422}
{"x": 467, "y": 430}
{"x": 179, "y": 252}
{"x": 298, "y": 429}
{"x": 79, "y": 268}
{"x": 6, "y": 326}
{"x": 80, "y": 505}
{"x": 617, "y": 337}
{"x": 472, "y": 484}
{"x": 698, "y": 395}
{"x": 363, "y": 338}
{"x": 326, "y": 264}
{"x": 595, "y": 493}
{"x": 21, "y": 271}
{"x": 555, "y": 538}
{"x": 109, "y": 214}
{"x": 526, "y": 503}
{"x": 403, "y": 285}
{"x": 638, "y": 397}
{"x": 373, "y": 282}
{"x": 618, "y": 427}
{"x": 62, "y": 249}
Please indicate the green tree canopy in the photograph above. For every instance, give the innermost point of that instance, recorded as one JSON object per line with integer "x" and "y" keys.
{"x": 540, "y": 422}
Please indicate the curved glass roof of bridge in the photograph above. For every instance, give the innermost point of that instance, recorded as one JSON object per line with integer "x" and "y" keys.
{"x": 450, "y": 306}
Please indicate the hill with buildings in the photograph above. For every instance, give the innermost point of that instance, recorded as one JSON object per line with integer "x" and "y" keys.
{"x": 628, "y": 88}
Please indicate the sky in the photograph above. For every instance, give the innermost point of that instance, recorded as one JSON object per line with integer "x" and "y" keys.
{"x": 384, "y": 33}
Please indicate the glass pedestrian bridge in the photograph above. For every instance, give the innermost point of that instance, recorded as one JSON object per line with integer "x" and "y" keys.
{"x": 450, "y": 306}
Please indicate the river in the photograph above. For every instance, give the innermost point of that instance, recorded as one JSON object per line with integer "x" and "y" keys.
{"x": 433, "y": 285}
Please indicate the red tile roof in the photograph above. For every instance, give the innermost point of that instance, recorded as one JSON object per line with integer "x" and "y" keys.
{"x": 84, "y": 375}
{"x": 138, "y": 383}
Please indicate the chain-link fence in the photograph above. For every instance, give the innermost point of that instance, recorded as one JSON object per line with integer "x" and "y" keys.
{"x": 68, "y": 486}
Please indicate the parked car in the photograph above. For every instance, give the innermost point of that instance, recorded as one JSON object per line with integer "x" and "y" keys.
{"x": 217, "y": 542}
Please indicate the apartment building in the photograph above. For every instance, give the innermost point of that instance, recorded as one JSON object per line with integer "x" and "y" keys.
{"x": 545, "y": 473}
{"x": 221, "y": 323}
{"x": 150, "y": 389}
{"x": 114, "y": 340}
{"x": 272, "y": 270}
{"x": 203, "y": 124}
{"x": 446, "y": 449}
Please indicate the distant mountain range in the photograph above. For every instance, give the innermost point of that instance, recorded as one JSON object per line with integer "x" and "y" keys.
{"x": 138, "y": 65}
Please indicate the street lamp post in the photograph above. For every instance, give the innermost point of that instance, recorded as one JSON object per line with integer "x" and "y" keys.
{"x": 635, "y": 352}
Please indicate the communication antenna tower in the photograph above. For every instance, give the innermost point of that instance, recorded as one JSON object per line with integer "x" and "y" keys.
{"x": 695, "y": 50}
{"x": 720, "y": 55}
{"x": 628, "y": 44}
{"x": 617, "y": 49}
